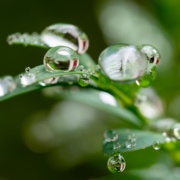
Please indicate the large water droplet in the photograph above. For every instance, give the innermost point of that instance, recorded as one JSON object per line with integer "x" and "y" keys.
{"x": 61, "y": 58}
{"x": 84, "y": 80}
{"x": 116, "y": 163}
{"x": 123, "y": 62}
{"x": 156, "y": 145}
{"x": 110, "y": 135}
{"x": 65, "y": 35}
{"x": 151, "y": 53}
{"x": 7, "y": 85}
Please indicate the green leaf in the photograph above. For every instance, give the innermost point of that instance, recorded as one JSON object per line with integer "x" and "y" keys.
{"x": 144, "y": 140}
{"x": 41, "y": 76}
{"x": 95, "y": 99}
{"x": 26, "y": 39}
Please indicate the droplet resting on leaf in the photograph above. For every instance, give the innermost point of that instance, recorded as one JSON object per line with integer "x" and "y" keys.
{"x": 123, "y": 62}
{"x": 61, "y": 58}
{"x": 65, "y": 35}
{"x": 152, "y": 54}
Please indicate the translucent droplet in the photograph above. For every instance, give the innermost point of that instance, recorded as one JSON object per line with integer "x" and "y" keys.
{"x": 130, "y": 143}
{"x": 20, "y": 76}
{"x": 152, "y": 54}
{"x": 61, "y": 58}
{"x": 156, "y": 145}
{"x": 65, "y": 35}
{"x": 84, "y": 80}
{"x": 145, "y": 80}
{"x": 7, "y": 85}
{"x": 110, "y": 135}
{"x": 48, "y": 81}
{"x": 116, "y": 163}
{"x": 123, "y": 62}
{"x": 27, "y": 70}
{"x": 28, "y": 79}
{"x": 97, "y": 70}
{"x": 174, "y": 132}
{"x": 116, "y": 145}
{"x": 132, "y": 137}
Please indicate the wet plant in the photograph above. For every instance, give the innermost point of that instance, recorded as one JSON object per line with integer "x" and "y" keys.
{"x": 118, "y": 84}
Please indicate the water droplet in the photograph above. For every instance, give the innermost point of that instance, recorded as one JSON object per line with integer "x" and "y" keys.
{"x": 27, "y": 70}
{"x": 173, "y": 132}
{"x": 84, "y": 80}
{"x": 152, "y": 54}
{"x": 97, "y": 70}
{"x": 61, "y": 58}
{"x": 65, "y": 35}
{"x": 116, "y": 145}
{"x": 7, "y": 85}
{"x": 28, "y": 79}
{"x": 20, "y": 76}
{"x": 116, "y": 163}
{"x": 110, "y": 135}
{"x": 156, "y": 145}
{"x": 132, "y": 137}
{"x": 145, "y": 80}
{"x": 123, "y": 62}
{"x": 130, "y": 143}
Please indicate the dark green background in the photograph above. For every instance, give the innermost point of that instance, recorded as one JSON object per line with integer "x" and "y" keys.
{"x": 16, "y": 160}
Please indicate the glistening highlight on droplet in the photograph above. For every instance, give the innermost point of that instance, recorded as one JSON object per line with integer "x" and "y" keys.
{"x": 65, "y": 35}
{"x": 61, "y": 58}
{"x": 123, "y": 62}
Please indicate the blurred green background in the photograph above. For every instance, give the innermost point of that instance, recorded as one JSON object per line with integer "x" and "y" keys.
{"x": 37, "y": 137}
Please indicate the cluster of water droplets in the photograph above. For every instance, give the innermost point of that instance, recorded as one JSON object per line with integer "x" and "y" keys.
{"x": 7, "y": 85}
{"x": 123, "y": 63}
{"x": 26, "y": 39}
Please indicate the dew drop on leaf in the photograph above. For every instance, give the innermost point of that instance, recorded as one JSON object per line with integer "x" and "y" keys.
{"x": 130, "y": 143}
{"x": 7, "y": 85}
{"x": 27, "y": 79}
{"x": 84, "y": 80}
{"x": 152, "y": 54}
{"x": 61, "y": 58}
{"x": 116, "y": 163}
{"x": 116, "y": 145}
{"x": 27, "y": 70}
{"x": 110, "y": 135}
{"x": 123, "y": 62}
{"x": 65, "y": 35}
{"x": 156, "y": 145}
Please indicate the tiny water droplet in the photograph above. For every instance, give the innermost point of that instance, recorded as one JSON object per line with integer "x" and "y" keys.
{"x": 110, "y": 135}
{"x": 116, "y": 145}
{"x": 156, "y": 145}
{"x": 65, "y": 35}
{"x": 27, "y": 70}
{"x": 97, "y": 70}
{"x": 116, "y": 163}
{"x": 132, "y": 137}
{"x": 130, "y": 143}
{"x": 20, "y": 76}
{"x": 152, "y": 54}
{"x": 123, "y": 62}
{"x": 61, "y": 58}
{"x": 84, "y": 80}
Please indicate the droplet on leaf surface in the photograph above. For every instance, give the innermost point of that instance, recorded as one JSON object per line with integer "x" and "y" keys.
{"x": 65, "y": 35}
{"x": 152, "y": 54}
{"x": 123, "y": 62}
{"x": 156, "y": 145}
{"x": 110, "y": 135}
{"x": 84, "y": 80}
{"x": 61, "y": 58}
